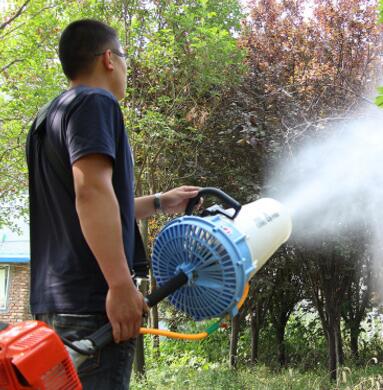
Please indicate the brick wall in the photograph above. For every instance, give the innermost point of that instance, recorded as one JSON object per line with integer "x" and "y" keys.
{"x": 18, "y": 295}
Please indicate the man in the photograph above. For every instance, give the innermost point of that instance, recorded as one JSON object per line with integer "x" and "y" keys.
{"x": 82, "y": 206}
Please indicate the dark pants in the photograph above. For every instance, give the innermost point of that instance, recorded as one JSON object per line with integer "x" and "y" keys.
{"x": 110, "y": 368}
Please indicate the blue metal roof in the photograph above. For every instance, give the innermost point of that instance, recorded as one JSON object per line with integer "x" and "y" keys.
{"x": 15, "y": 259}
{"x": 14, "y": 247}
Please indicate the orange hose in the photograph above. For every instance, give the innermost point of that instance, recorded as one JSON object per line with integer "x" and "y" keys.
{"x": 244, "y": 295}
{"x": 188, "y": 336}
{"x": 174, "y": 335}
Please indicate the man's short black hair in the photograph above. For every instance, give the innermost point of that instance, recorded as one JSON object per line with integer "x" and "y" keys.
{"x": 80, "y": 42}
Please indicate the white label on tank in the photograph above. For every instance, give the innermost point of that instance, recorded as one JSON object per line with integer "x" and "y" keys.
{"x": 265, "y": 219}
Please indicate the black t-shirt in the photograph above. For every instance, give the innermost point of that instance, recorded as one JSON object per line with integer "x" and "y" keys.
{"x": 65, "y": 276}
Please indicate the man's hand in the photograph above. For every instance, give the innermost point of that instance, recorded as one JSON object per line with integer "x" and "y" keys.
{"x": 176, "y": 200}
{"x": 172, "y": 202}
{"x": 125, "y": 307}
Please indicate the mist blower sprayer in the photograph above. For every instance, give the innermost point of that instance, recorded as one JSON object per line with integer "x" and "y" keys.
{"x": 202, "y": 263}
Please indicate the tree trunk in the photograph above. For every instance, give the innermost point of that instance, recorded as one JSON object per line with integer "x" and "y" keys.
{"x": 331, "y": 346}
{"x": 139, "y": 357}
{"x": 254, "y": 338}
{"x": 234, "y": 341}
{"x": 154, "y": 322}
{"x": 354, "y": 337}
{"x": 144, "y": 230}
{"x": 339, "y": 345}
{"x": 334, "y": 343}
{"x": 281, "y": 345}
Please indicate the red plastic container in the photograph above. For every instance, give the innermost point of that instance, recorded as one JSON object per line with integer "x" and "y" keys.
{"x": 32, "y": 356}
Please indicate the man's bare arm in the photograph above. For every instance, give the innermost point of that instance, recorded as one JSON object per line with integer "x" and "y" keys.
{"x": 100, "y": 220}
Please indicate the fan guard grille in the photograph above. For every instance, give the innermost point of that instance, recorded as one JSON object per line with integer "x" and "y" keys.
{"x": 204, "y": 250}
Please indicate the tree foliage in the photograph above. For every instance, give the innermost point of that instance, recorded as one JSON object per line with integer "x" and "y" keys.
{"x": 379, "y": 98}
{"x": 182, "y": 56}
{"x": 215, "y": 98}
{"x": 305, "y": 70}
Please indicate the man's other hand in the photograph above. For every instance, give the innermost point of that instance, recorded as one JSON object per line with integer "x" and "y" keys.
{"x": 176, "y": 200}
{"x": 125, "y": 306}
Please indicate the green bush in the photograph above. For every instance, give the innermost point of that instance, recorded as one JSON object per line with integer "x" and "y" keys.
{"x": 259, "y": 377}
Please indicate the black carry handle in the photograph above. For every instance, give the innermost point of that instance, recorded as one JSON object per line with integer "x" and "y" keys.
{"x": 166, "y": 289}
{"x": 104, "y": 335}
{"x": 219, "y": 194}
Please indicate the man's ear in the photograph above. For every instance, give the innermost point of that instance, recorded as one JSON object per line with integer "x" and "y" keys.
{"x": 107, "y": 60}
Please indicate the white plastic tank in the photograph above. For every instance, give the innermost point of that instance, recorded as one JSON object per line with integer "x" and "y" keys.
{"x": 267, "y": 225}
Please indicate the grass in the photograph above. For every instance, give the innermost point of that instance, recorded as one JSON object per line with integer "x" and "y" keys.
{"x": 258, "y": 377}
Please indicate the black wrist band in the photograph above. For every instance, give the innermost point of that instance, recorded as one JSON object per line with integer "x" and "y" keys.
{"x": 157, "y": 201}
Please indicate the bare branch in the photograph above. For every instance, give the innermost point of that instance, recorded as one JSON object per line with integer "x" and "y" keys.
{"x": 12, "y": 30}
{"x": 5, "y": 67}
{"x": 15, "y": 16}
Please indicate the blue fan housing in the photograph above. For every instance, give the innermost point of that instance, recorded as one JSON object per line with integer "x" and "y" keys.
{"x": 215, "y": 257}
